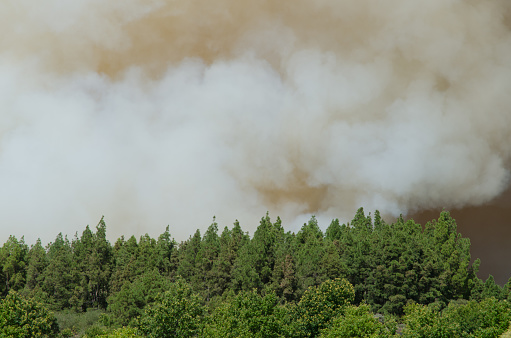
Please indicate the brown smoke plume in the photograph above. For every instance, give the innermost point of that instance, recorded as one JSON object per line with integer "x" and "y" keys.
{"x": 156, "y": 112}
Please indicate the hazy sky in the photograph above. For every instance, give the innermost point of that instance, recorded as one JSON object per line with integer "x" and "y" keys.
{"x": 169, "y": 112}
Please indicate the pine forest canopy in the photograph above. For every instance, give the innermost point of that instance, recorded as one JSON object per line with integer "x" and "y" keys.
{"x": 387, "y": 266}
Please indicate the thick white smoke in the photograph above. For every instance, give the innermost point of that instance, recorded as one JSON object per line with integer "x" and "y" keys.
{"x": 169, "y": 112}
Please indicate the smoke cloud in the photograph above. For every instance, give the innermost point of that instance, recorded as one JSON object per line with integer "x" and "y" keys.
{"x": 156, "y": 112}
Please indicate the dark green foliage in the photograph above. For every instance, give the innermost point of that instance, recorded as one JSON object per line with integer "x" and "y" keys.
{"x": 254, "y": 265}
{"x": 125, "y": 254}
{"x": 334, "y": 231}
{"x": 450, "y": 256}
{"x": 13, "y": 262}
{"x": 187, "y": 257}
{"x": 93, "y": 257}
{"x": 177, "y": 313}
{"x": 205, "y": 277}
{"x": 130, "y": 301}
{"x": 358, "y": 254}
{"x": 165, "y": 247}
{"x": 396, "y": 275}
{"x": 222, "y": 265}
{"x": 284, "y": 278}
{"x": 409, "y": 263}
{"x": 60, "y": 277}
{"x": 24, "y": 318}
{"x": 487, "y": 289}
{"x": 37, "y": 264}
{"x": 332, "y": 262}
{"x": 506, "y": 290}
{"x": 221, "y": 272}
{"x": 309, "y": 251}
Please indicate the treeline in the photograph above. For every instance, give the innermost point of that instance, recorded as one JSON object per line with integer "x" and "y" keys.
{"x": 388, "y": 265}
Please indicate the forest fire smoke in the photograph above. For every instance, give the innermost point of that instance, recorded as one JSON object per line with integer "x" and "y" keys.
{"x": 169, "y": 112}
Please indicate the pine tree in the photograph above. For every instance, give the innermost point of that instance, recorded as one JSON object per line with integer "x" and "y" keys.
{"x": 165, "y": 246}
{"x": 231, "y": 241}
{"x": 331, "y": 262}
{"x": 93, "y": 256}
{"x": 334, "y": 231}
{"x": 37, "y": 264}
{"x": 254, "y": 266}
{"x": 358, "y": 253}
{"x": 188, "y": 251}
{"x": 59, "y": 278}
{"x": 124, "y": 263}
{"x": 13, "y": 262}
{"x": 204, "y": 261}
{"x": 450, "y": 253}
{"x": 309, "y": 251}
{"x": 284, "y": 278}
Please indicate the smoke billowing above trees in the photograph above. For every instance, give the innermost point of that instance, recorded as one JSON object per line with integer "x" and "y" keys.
{"x": 167, "y": 112}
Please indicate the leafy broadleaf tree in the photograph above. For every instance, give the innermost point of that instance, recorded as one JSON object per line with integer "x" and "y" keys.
{"x": 25, "y": 317}
{"x": 177, "y": 312}
{"x": 123, "y": 332}
{"x": 250, "y": 315}
{"x": 358, "y": 322}
{"x": 488, "y": 318}
{"x": 322, "y": 303}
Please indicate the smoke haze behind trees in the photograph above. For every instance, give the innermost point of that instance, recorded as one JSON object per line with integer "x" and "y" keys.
{"x": 169, "y": 112}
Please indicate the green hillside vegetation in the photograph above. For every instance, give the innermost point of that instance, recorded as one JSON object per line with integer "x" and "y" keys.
{"x": 366, "y": 278}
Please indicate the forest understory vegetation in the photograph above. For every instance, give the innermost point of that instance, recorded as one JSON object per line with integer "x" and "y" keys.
{"x": 365, "y": 278}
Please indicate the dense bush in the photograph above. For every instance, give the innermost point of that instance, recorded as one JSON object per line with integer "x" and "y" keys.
{"x": 488, "y": 318}
{"x": 321, "y": 303}
{"x": 250, "y": 315}
{"x": 74, "y": 323}
{"x": 177, "y": 312}
{"x": 358, "y": 322}
{"x": 20, "y": 317}
{"x": 124, "y": 332}
{"x": 129, "y": 302}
